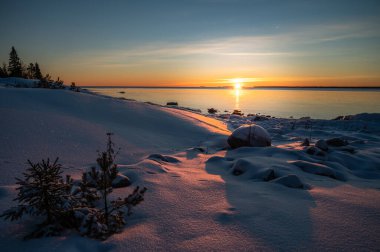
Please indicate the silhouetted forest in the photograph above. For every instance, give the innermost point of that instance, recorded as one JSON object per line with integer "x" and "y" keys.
{"x": 16, "y": 68}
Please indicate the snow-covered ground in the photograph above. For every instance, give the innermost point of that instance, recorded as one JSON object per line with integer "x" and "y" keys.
{"x": 201, "y": 195}
{"x": 18, "y": 82}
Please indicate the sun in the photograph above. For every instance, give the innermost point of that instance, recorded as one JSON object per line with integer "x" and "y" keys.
{"x": 237, "y": 84}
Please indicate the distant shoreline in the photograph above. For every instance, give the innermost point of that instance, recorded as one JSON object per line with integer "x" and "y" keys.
{"x": 244, "y": 88}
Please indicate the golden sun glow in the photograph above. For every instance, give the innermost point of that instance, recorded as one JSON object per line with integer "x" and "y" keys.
{"x": 237, "y": 83}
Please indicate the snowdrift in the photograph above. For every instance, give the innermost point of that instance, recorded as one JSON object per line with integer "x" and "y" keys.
{"x": 202, "y": 195}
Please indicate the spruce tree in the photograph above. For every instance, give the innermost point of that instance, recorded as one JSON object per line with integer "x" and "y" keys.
{"x": 15, "y": 65}
{"x": 110, "y": 219}
{"x": 108, "y": 172}
{"x": 37, "y": 72}
{"x": 24, "y": 71}
{"x": 42, "y": 192}
{"x": 30, "y": 71}
{"x": 3, "y": 71}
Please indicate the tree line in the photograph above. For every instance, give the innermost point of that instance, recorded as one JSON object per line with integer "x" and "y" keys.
{"x": 16, "y": 68}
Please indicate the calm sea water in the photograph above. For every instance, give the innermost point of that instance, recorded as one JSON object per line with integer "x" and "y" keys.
{"x": 316, "y": 103}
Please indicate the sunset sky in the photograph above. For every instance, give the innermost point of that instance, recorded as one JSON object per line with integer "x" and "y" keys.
{"x": 197, "y": 42}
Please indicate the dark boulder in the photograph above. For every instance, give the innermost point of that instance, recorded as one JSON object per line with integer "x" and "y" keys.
{"x": 336, "y": 142}
{"x": 172, "y": 103}
{"x": 249, "y": 135}
{"x": 321, "y": 144}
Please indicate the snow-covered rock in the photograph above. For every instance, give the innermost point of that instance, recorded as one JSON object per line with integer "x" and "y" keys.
{"x": 319, "y": 169}
{"x": 159, "y": 158}
{"x": 306, "y": 142}
{"x": 337, "y": 142}
{"x": 312, "y": 150}
{"x": 290, "y": 180}
{"x": 321, "y": 144}
{"x": 374, "y": 117}
{"x": 249, "y": 135}
{"x": 240, "y": 167}
{"x": 264, "y": 174}
{"x": 121, "y": 181}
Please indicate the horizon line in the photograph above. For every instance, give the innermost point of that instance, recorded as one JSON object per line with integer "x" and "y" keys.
{"x": 231, "y": 87}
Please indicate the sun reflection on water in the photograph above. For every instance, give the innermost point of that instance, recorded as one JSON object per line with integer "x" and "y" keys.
{"x": 237, "y": 93}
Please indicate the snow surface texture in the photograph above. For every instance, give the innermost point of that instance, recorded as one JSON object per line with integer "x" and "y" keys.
{"x": 202, "y": 196}
{"x": 18, "y": 82}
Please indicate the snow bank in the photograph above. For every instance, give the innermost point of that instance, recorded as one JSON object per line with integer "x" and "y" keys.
{"x": 202, "y": 195}
{"x": 18, "y": 82}
{"x": 40, "y": 123}
{"x": 290, "y": 193}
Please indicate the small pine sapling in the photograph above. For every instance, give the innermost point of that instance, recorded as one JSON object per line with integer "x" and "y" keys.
{"x": 88, "y": 193}
{"x": 135, "y": 198}
{"x": 42, "y": 192}
{"x": 108, "y": 172}
{"x": 117, "y": 213}
{"x": 58, "y": 84}
{"x": 101, "y": 223}
{"x": 72, "y": 86}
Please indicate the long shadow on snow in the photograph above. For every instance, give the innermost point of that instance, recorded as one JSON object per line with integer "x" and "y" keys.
{"x": 277, "y": 215}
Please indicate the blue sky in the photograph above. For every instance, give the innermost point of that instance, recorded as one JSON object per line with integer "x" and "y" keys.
{"x": 197, "y": 42}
